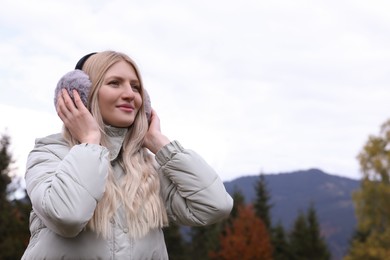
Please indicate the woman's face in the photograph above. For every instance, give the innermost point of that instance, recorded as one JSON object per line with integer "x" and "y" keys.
{"x": 119, "y": 97}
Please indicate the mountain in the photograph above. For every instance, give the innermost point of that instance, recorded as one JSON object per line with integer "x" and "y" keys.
{"x": 293, "y": 192}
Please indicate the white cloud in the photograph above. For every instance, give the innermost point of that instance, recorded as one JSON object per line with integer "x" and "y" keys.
{"x": 271, "y": 85}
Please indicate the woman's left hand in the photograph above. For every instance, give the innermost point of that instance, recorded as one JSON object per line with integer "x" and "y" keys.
{"x": 154, "y": 139}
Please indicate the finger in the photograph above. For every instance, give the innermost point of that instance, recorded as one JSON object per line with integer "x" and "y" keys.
{"x": 155, "y": 121}
{"x": 68, "y": 101}
{"x": 62, "y": 110}
{"x": 153, "y": 114}
{"x": 61, "y": 107}
{"x": 77, "y": 99}
{"x": 59, "y": 101}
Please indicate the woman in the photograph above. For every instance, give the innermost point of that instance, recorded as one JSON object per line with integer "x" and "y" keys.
{"x": 106, "y": 186}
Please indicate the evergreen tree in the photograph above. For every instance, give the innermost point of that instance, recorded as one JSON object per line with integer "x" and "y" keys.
{"x": 281, "y": 247}
{"x": 207, "y": 239}
{"x": 262, "y": 201}
{"x": 305, "y": 238}
{"x": 176, "y": 245}
{"x": 372, "y": 237}
{"x": 204, "y": 239}
{"x": 5, "y": 161}
{"x": 262, "y": 207}
{"x": 298, "y": 237}
{"x": 317, "y": 248}
{"x": 14, "y": 233}
{"x": 238, "y": 201}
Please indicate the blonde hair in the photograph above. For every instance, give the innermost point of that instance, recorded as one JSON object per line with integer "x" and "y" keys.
{"x": 139, "y": 189}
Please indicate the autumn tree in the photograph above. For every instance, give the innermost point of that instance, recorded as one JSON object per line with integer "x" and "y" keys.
{"x": 14, "y": 233}
{"x": 372, "y": 207}
{"x": 247, "y": 238}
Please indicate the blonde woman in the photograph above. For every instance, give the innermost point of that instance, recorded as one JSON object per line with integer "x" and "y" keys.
{"x": 107, "y": 185}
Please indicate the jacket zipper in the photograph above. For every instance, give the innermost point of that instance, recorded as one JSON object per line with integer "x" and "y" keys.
{"x": 113, "y": 240}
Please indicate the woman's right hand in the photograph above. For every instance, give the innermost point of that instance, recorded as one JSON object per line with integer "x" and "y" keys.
{"x": 77, "y": 118}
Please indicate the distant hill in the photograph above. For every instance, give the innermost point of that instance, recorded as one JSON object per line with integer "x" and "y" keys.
{"x": 291, "y": 192}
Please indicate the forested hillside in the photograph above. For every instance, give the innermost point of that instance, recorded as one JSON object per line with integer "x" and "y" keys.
{"x": 294, "y": 192}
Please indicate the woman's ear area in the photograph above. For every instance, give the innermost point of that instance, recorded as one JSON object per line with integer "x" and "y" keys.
{"x": 147, "y": 105}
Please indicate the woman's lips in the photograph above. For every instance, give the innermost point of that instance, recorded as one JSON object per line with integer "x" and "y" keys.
{"x": 126, "y": 108}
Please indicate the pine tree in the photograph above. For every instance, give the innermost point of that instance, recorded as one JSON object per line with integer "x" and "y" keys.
{"x": 247, "y": 238}
{"x": 372, "y": 237}
{"x": 317, "y": 247}
{"x": 281, "y": 247}
{"x": 14, "y": 233}
{"x": 176, "y": 246}
{"x": 207, "y": 239}
{"x": 262, "y": 208}
{"x": 238, "y": 201}
{"x": 5, "y": 161}
{"x": 305, "y": 238}
{"x": 262, "y": 203}
{"x": 298, "y": 237}
{"x": 204, "y": 239}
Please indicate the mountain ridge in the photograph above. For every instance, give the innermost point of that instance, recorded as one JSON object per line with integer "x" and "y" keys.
{"x": 293, "y": 192}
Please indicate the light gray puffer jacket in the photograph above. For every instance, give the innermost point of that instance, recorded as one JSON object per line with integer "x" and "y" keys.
{"x": 65, "y": 184}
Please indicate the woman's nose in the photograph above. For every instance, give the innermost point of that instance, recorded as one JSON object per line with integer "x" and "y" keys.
{"x": 128, "y": 91}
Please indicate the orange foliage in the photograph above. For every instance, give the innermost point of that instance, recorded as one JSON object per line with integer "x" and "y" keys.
{"x": 246, "y": 239}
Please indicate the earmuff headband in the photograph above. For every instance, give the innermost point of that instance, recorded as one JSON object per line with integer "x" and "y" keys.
{"x": 80, "y": 63}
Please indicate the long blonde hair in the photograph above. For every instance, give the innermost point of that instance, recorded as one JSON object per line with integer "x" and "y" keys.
{"x": 139, "y": 189}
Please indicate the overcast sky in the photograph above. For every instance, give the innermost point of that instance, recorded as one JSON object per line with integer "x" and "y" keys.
{"x": 253, "y": 86}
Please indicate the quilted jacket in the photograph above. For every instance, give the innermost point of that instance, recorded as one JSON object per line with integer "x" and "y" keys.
{"x": 65, "y": 184}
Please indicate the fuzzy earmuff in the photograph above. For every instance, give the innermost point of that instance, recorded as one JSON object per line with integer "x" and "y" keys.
{"x": 79, "y": 80}
{"x": 75, "y": 79}
{"x": 147, "y": 106}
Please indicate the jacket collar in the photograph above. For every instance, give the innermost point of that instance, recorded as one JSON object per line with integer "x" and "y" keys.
{"x": 115, "y": 137}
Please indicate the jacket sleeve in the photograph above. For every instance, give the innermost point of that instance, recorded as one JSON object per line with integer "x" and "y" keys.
{"x": 192, "y": 191}
{"x": 64, "y": 191}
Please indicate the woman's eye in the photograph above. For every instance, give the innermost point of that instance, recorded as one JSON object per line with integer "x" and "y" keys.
{"x": 135, "y": 88}
{"x": 113, "y": 83}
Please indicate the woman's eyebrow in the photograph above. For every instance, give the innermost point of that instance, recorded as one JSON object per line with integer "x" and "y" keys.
{"x": 134, "y": 81}
{"x": 112, "y": 77}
